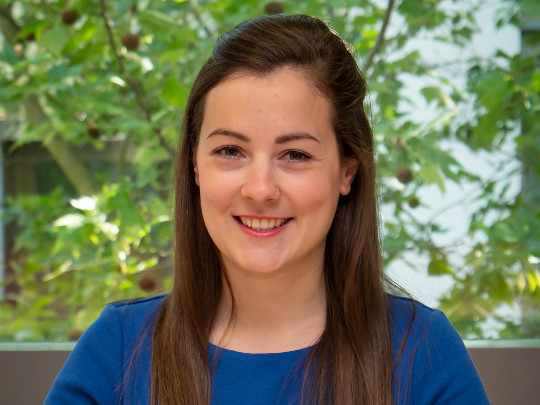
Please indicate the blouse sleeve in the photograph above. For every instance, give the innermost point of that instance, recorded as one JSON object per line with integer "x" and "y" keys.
{"x": 443, "y": 370}
{"x": 92, "y": 373}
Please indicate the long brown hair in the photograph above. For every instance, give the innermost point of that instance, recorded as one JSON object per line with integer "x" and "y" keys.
{"x": 356, "y": 339}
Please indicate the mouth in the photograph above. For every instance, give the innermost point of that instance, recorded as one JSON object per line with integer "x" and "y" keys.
{"x": 263, "y": 224}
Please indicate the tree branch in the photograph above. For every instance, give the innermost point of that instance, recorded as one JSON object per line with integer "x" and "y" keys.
{"x": 9, "y": 27}
{"x": 200, "y": 21}
{"x": 380, "y": 38}
{"x": 133, "y": 84}
{"x": 135, "y": 87}
{"x": 61, "y": 152}
{"x": 473, "y": 194}
{"x": 112, "y": 42}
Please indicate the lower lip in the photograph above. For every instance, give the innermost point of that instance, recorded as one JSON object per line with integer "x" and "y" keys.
{"x": 263, "y": 234}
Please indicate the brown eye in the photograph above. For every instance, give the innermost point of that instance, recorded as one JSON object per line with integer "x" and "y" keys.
{"x": 227, "y": 152}
{"x": 297, "y": 156}
{"x": 230, "y": 152}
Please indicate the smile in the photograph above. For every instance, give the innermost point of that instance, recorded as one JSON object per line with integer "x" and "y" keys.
{"x": 264, "y": 224}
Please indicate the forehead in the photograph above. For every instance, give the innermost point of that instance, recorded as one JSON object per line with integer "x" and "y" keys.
{"x": 284, "y": 100}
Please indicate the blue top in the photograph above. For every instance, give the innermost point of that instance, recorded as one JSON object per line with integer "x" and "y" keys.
{"x": 435, "y": 367}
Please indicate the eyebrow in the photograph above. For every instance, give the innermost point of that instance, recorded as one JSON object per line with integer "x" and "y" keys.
{"x": 227, "y": 132}
{"x": 279, "y": 140}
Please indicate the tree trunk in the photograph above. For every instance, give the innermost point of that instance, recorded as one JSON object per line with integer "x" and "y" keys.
{"x": 74, "y": 170}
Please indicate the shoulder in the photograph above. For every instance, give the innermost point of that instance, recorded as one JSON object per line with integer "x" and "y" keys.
{"x": 431, "y": 360}
{"x": 403, "y": 307}
{"x": 409, "y": 316}
{"x": 417, "y": 328}
{"x": 137, "y": 310}
{"x": 140, "y": 304}
{"x": 118, "y": 342}
{"x": 128, "y": 320}
{"x": 122, "y": 321}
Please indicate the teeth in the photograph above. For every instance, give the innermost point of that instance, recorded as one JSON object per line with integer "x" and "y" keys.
{"x": 262, "y": 224}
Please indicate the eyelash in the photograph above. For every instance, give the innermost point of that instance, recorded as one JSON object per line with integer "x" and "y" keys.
{"x": 304, "y": 157}
{"x": 301, "y": 158}
{"x": 219, "y": 152}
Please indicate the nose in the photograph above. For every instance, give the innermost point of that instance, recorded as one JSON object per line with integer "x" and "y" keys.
{"x": 260, "y": 184}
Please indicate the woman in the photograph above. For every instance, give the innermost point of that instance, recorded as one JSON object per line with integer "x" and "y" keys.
{"x": 279, "y": 295}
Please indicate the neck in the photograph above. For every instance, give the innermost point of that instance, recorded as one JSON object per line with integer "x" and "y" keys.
{"x": 272, "y": 313}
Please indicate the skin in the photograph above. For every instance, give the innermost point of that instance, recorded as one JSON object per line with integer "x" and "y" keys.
{"x": 267, "y": 150}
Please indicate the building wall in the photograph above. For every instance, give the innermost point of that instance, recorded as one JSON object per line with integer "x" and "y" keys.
{"x": 510, "y": 374}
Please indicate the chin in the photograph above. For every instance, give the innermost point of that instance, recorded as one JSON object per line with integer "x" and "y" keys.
{"x": 261, "y": 270}
{"x": 259, "y": 267}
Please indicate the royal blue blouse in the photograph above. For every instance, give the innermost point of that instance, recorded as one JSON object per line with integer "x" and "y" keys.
{"x": 435, "y": 367}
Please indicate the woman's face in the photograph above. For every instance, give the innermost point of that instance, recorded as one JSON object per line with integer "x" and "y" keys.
{"x": 269, "y": 172}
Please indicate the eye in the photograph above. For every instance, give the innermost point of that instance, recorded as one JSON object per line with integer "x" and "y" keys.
{"x": 227, "y": 152}
{"x": 297, "y": 156}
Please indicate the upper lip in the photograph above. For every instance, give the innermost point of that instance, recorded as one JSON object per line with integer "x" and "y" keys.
{"x": 260, "y": 217}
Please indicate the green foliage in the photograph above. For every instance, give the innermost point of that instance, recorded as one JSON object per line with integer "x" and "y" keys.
{"x": 75, "y": 253}
{"x": 82, "y": 253}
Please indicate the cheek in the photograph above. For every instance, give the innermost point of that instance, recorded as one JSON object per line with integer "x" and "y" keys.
{"x": 210, "y": 195}
{"x": 217, "y": 191}
{"x": 319, "y": 191}
{"x": 212, "y": 208}
{"x": 217, "y": 194}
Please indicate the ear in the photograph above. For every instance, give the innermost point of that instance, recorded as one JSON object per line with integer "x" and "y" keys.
{"x": 349, "y": 169}
{"x": 196, "y": 170}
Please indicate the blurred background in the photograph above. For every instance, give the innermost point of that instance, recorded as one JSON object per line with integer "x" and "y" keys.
{"x": 92, "y": 94}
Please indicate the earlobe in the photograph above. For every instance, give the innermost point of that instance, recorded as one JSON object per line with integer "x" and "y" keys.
{"x": 349, "y": 173}
{"x": 196, "y": 172}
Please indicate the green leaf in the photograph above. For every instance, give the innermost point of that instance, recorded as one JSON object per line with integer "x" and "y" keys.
{"x": 63, "y": 71}
{"x": 439, "y": 267}
{"x": 129, "y": 124}
{"x": 55, "y": 39}
{"x": 157, "y": 22}
{"x": 430, "y": 174}
{"x": 533, "y": 276}
{"x": 498, "y": 287}
{"x": 530, "y": 8}
{"x": 432, "y": 93}
{"x": 486, "y": 130}
{"x": 491, "y": 88}
{"x": 536, "y": 82}
{"x": 8, "y": 54}
{"x": 174, "y": 92}
{"x": 127, "y": 211}
{"x": 85, "y": 34}
{"x": 149, "y": 156}
{"x": 394, "y": 244}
